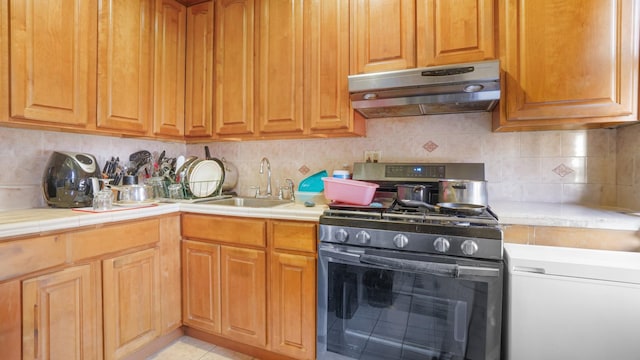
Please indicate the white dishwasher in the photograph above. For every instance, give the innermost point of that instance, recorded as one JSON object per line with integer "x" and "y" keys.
{"x": 565, "y": 303}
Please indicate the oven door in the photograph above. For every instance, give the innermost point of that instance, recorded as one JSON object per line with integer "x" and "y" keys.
{"x": 384, "y": 304}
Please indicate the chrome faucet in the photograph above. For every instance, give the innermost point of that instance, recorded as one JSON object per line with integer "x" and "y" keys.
{"x": 262, "y": 162}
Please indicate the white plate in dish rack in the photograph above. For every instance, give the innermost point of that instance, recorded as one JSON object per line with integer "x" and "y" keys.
{"x": 204, "y": 178}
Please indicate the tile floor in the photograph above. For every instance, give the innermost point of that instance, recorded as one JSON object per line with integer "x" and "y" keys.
{"x": 188, "y": 348}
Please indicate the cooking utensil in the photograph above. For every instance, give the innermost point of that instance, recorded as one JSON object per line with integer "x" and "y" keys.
{"x": 134, "y": 193}
{"x": 409, "y": 193}
{"x": 460, "y": 208}
{"x": 418, "y": 196}
{"x": 230, "y": 175}
{"x": 447, "y": 208}
{"x": 463, "y": 191}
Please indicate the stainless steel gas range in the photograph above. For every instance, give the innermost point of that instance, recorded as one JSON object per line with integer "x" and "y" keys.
{"x": 398, "y": 282}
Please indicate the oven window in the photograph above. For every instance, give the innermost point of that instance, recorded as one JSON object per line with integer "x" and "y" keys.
{"x": 375, "y": 313}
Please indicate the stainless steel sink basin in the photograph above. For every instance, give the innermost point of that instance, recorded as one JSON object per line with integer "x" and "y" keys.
{"x": 248, "y": 202}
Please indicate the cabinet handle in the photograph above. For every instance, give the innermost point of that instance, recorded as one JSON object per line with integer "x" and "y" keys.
{"x": 35, "y": 331}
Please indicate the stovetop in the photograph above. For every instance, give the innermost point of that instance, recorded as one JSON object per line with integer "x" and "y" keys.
{"x": 389, "y": 225}
{"x": 415, "y": 220}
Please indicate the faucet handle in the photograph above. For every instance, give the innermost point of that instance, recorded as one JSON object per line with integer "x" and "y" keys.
{"x": 257, "y": 189}
{"x": 291, "y": 188}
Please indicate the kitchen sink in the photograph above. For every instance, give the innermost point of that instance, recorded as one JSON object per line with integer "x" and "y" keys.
{"x": 248, "y": 202}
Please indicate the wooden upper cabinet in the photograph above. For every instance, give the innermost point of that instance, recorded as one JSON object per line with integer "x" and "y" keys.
{"x": 402, "y": 34}
{"x": 52, "y": 51}
{"x": 383, "y": 35}
{"x": 125, "y": 65}
{"x": 450, "y": 32}
{"x": 568, "y": 64}
{"x": 61, "y": 316}
{"x": 198, "y": 120}
{"x": 328, "y": 103}
{"x": 169, "y": 78}
{"x": 280, "y": 66}
{"x": 234, "y": 68}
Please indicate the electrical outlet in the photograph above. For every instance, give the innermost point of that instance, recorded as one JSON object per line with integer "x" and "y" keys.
{"x": 372, "y": 155}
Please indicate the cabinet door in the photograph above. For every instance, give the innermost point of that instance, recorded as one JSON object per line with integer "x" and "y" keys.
{"x": 60, "y": 315}
{"x": 234, "y": 61}
{"x": 170, "y": 283}
{"x": 293, "y": 305}
{"x": 169, "y": 85}
{"x": 131, "y": 287}
{"x": 199, "y": 77}
{"x": 11, "y": 320}
{"x": 568, "y": 63}
{"x": 125, "y": 65}
{"x": 383, "y": 35}
{"x": 243, "y": 291}
{"x": 327, "y": 42}
{"x": 280, "y": 63}
{"x": 52, "y": 49}
{"x": 454, "y": 31}
{"x": 201, "y": 285}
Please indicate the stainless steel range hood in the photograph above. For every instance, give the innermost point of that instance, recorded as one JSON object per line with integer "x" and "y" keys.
{"x": 469, "y": 87}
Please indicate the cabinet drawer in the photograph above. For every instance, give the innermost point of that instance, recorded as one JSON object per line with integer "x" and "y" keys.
{"x": 94, "y": 242}
{"x": 29, "y": 255}
{"x": 224, "y": 229}
{"x": 294, "y": 235}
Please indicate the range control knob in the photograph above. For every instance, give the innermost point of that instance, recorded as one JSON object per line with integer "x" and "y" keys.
{"x": 341, "y": 235}
{"x": 400, "y": 240}
{"x": 363, "y": 237}
{"x": 441, "y": 244}
{"x": 469, "y": 247}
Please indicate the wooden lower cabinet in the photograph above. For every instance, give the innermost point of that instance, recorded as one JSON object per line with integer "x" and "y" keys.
{"x": 91, "y": 293}
{"x": 60, "y": 315}
{"x": 224, "y": 291}
{"x": 251, "y": 282}
{"x": 11, "y": 320}
{"x": 243, "y": 295}
{"x": 131, "y": 286}
{"x": 293, "y": 305}
{"x": 201, "y": 286}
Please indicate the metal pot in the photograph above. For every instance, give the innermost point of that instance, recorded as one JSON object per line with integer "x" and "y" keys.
{"x": 134, "y": 193}
{"x": 413, "y": 195}
{"x": 230, "y": 176}
{"x": 463, "y": 192}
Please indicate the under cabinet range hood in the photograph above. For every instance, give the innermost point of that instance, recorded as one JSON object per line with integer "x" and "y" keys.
{"x": 469, "y": 87}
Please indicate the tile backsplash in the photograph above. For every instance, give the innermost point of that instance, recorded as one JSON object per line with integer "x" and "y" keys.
{"x": 591, "y": 167}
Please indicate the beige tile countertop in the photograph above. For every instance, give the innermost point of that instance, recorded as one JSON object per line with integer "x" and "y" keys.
{"x": 33, "y": 221}
{"x": 565, "y": 215}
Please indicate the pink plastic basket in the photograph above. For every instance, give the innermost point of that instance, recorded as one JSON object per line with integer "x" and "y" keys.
{"x": 349, "y": 191}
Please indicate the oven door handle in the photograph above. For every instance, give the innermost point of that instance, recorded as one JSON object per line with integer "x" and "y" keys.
{"x": 439, "y": 269}
{"x": 342, "y": 255}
